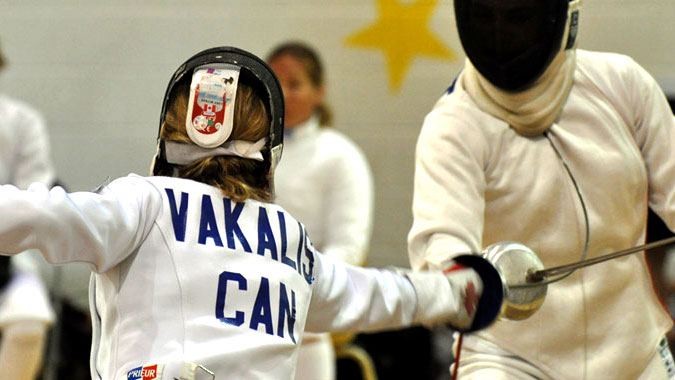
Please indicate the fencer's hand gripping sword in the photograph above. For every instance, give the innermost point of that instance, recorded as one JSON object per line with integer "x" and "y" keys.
{"x": 544, "y": 274}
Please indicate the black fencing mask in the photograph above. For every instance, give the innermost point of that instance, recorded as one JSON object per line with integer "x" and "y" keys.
{"x": 511, "y": 42}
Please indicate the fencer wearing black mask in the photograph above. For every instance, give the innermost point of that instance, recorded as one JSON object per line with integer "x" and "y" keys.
{"x": 557, "y": 148}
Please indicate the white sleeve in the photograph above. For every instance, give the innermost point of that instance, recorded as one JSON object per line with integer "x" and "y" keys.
{"x": 349, "y": 199}
{"x": 448, "y": 203}
{"x": 97, "y": 228}
{"x": 33, "y": 162}
{"x": 350, "y": 298}
{"x": 347, "y": 298}
{"x": 654, "y": 125}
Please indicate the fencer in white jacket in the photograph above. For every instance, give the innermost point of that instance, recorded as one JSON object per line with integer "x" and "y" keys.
{"x": 324, "y": 181}
{"x": 25, "y": 308}
{"x": 482, "y": 161}
{"x": 198, "y": 275}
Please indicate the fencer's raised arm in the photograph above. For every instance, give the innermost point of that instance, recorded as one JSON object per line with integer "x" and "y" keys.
{"x": 106, "y": 227}
{"x": 466, "y": 295}
{"x": 101, "y": 228}
{"x": 348, "y": 298}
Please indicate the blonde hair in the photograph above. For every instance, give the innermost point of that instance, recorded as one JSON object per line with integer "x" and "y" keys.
{"x": 237, "y": 177}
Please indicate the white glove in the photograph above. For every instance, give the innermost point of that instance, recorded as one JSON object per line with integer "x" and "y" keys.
{"x": 450, "y": 296}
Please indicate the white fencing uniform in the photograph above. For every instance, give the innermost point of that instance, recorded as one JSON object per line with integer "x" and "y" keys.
{"x": 24, "y": 159}
{"x": 25, "y": 154}
{"x": 478, "y": 182}
{"x": 183, "y": 274}
{"x": 324, "y": 181}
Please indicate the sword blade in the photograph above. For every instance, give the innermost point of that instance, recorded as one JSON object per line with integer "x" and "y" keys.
{"x": 543, "y": 274}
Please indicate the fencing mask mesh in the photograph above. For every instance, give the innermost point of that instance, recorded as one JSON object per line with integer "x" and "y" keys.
{"x": 511, "y": 42}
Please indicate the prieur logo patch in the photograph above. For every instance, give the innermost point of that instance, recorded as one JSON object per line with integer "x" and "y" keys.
{"x": 149, "y": 372}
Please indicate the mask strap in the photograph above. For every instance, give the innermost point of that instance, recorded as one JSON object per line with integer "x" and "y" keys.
{"x": 185, "y": 153}
{"x": 573, "y": 24}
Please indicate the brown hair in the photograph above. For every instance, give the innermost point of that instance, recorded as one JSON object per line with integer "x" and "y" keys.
{"x": 313, "y": 66}
{"x": 238, "y": 178}
{"x": 2, "y": 59}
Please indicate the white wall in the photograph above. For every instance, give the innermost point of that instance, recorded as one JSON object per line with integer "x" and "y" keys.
{"x": 98, "y": 70}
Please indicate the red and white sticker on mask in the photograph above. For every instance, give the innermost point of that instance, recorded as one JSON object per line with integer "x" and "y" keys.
{"x": 210, "y": 111}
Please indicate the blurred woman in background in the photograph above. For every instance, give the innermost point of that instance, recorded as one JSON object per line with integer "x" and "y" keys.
{"x": 324, "y": 180}
{"x": 26, "y": 312}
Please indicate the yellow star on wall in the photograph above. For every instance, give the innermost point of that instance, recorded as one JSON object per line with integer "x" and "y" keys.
{"x": 402, "y": 32}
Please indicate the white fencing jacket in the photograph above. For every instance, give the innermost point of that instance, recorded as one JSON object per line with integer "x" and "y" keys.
{"x": 24, "y": 158}
{"x": 477, "y": 182}
{"x": 324, "y": 180}
{"x": 25, "y": 153}
{"x": 185, "y": 276}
